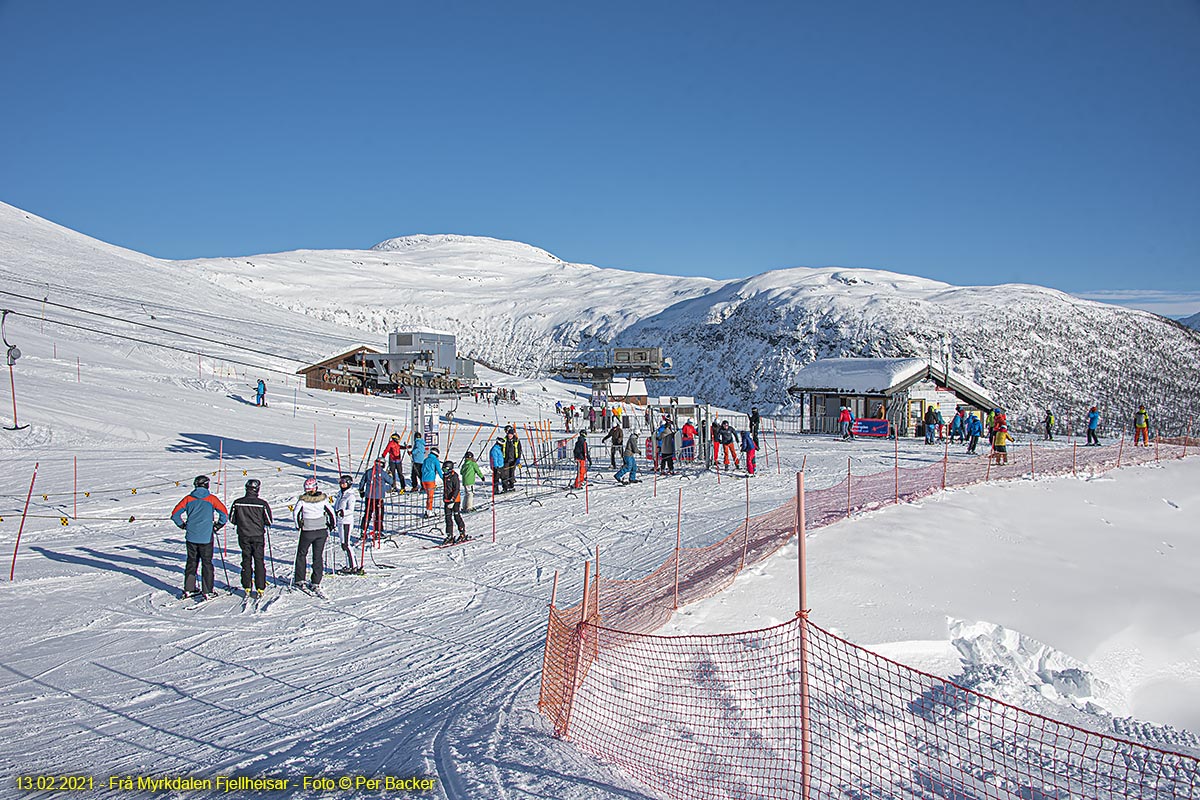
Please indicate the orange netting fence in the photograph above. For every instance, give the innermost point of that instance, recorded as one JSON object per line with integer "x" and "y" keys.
{"x": 730, "y": 716}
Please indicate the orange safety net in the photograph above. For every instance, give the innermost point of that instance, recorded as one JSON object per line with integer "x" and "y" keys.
{"x": 717, "y": 716}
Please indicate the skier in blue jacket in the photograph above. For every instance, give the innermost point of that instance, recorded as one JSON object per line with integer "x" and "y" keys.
{"x": 1093, "y": 437}
{"x": 417, "y": 457}
{"x": 974, "y": 431}
{"x": 372, "y": 487}
{"x": 496, "y": 459}
{"x": 431, "y": 470}
{"x": 200, "y": 514}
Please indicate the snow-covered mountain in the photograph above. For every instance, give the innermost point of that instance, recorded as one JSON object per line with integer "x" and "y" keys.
{"x": 1192, "y": 322}
{"x": 521, "y": 309}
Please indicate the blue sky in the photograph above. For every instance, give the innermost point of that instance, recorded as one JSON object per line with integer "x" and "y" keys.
{"x": 976, "y": 143}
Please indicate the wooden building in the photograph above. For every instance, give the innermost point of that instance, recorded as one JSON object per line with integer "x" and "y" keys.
{"x": 896, "y": 389}
{"x": 343, "y": 372}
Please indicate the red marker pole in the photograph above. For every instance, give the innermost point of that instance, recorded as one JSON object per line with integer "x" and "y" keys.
{"x": 17, "y": 546}
{"x": 775, "y": 433}
{"x": 493, "y": 510}
{"x": 897, "y": 468}
{"x": 678, "y": 543}
{"x": 75, "y": 483}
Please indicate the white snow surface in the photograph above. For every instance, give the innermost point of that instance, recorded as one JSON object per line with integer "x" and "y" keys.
{"x": 431, "y": 667}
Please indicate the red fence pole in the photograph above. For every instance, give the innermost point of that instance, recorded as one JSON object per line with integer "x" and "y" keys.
{"x": 1074, "y": 455}
{"x": 549, "y": 623}
{"x": 897, "y": 468}
{"x": 1157, "y": 442}
{"x": 746, "y": 538}
{"x": 75, "y": 483}
{"x": 678, "y": 542}
{"x": 17, "y": 546}
{"x": 1120, "y": 449}
{"x": 493, "y": 511}
{"x": 848, "y": 477}
{"x": 775, "y": 433}
{"x": 945, "y": 463}
{"x": 586, "y": 502}
{"x": 1032, "y": 469}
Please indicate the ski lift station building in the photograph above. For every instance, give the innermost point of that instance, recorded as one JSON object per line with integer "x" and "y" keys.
{"x": 422, "y": 359}
{"x": 896, "y": 389}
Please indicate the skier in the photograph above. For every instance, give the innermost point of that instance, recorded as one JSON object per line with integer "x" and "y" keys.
{"x": 1000, "y": 444}
{"x": 930, "y": 420}
{"x": 314, "y": 520}
{"x": 629, "y": 454}
{"x": 956, "y": 427}
{"x": 452, "y": 502}
{"x": 582, "y": 459}
{"x": 688, "y": 434}
{"x": 260, "y": 394}
{"x": 1049, "y": 424}
{"x": 418, "y": 458}
{"x": 201, "y": 515}
{"x": 1093, "y": 425}
{"x": 755, "y": 423}
{"x": 496, "y": 460}
{"x": 372, "y": 487}
{"x": 844, "y": 420}
{"x": 512, "y": 458}
{"x": 974, "y": 431}
{"x": 470, "y": 473}
{"x": 343, "y": 512}
{"x": 615, "y": 435}
{"x": 431, "y": 470}
{"x": 725, "y": 440}
{"x": 666, "y": 448}
{"x": 1141, "y": 426}
{"x": 750, "y": 448}
{"x": 941, "y": 425}
{"x": 251, "y": 515}
{"x": 395, "y": 455}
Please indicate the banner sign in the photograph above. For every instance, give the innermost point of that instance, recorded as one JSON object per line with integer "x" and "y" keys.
{"x": 869, "y": 427}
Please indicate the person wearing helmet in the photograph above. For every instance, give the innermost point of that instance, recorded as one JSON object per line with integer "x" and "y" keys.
{"x": 512, "y": 459}
{"x": 1093, "y": 427}
{"x": 394, "y": 452}
{"x": 470, "y": 473}
{"x": 582, "y": 459}
{"x": 616, "y": 439}
{"x": 431, "y": 470}
{"x": 251, "y": 515}
{"x": 314, "y": 520}
{"x": 1000, "y": 441}
{"x": 1049, "y": 426}
{"x": 496, "y": 460}
{"x": 343, "y": 511}
{"x": 688, "y": 440}
{"x": 200, "y": 514}
{"x": 418, "y": 460}
{"x": 725, "y": 439}
{"x": 372, "y": 487}
{"x": 755, "y": 424}
{"x": 1141, "y": 426}
{"x": 452, "y": 503}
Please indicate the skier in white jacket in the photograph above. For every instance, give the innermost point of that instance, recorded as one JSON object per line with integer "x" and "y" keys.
{"x": 314, "y": 519}
{"x": 343, "y": 511}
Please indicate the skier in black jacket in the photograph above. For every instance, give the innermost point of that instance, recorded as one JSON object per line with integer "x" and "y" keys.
{"x": 452, "y": 503}
{"x": 251, "y": 515}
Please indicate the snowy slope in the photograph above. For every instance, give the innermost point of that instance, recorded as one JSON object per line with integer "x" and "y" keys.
{"x": 1192, "y": 322}
{"x": 429, "y": 667}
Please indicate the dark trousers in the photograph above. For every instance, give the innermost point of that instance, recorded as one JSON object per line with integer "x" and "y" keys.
{"x": 509, "y": 478}
{"x": 254, "y": 565}
{"x": 1092, "y": 438}
{"x": 454, "y": 518}
{"x": 315, "y": 540}
{"x": 497, "y": 476}
{"x": 396, "y": 470}
{"x": 974, "y": 441}
{"x": 415, "y": 475}
{"x": 373, "y": 514}
{"x": 614, "y": 452}
{"x": 668, "y": 463}
{"x": 198, "y": 555}
{"x": 346, "y": 546}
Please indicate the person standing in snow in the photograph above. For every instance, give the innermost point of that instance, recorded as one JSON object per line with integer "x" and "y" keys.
{"x": 470, "y": 473}
{"x": 726, "y": 440}
{"x": 750, "y": 448}
{"x": 616, "y": 436}
{"x": 688, "y": 436}
{"x": 666, "y": 448}
{"x": 1093, "y": 427}
{"x": 714, "y": 431}
{"x": 394, "y": 452}
{"x": 844, "y": 420}
{"x": 930, "y": 420}
{"x": 431, "y": 470}
{"x": 418, "y": 458}
{"x": 1049, "y": 424}
{"x": 314, "y": 520}
{"x": 343, "y": 512}
{"x": 200, "y": 514}
{"x": 974, "y": 431}
{"x": 755, "y": 424}
{"x": 496, "y": 461}
{"x": 512, "y": 458}
{"x": 629, "y": 453}
{"x": 260, "y": 394}
{"x": 251, "y": 515}
{"x": 956, "y": 426}
{"x": 1000, "y": 444}
{"x": 582, "y": 459}
{"x": 1141, "y": 426}
{"x": 372, "y": 487}
{"x": 452, "y": 503}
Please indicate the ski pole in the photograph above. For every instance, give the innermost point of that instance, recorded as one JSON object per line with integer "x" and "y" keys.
{"x": 271, "y": 556}
{"x": 224, "y": 567}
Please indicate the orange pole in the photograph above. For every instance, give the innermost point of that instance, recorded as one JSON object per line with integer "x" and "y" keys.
{"x": 896, "y": 469}
{"x": 75, "y": 482}
{"x": 775, "y": 433}
{"x": 549, "y": 622}
{"x": 13, "y": 571}
{"x": 805, "y": 742}
{"x": 945, "y": 463}
{"x": 1074, "y": 455}
{"x": 678, "y": 542}
{"x": 1120, "y": 449}
{"x": 848, "y": 479}
{"x": 1032, "y": 470}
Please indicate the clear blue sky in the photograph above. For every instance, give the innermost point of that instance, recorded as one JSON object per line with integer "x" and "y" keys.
{"x": 1044, "y": 141}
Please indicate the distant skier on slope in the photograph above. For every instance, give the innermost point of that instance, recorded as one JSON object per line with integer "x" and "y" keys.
{"x": 201, "y": 515}
{"x": 251, "y": 515}
{"x": 260, "y": 394}
{"x": 314, "y": 520}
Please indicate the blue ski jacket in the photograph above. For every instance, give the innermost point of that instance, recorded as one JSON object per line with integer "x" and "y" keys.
{"x": 198, "y": 514}
{"x": 497, "y": 455}
{"x": 375, "y": 482}
{"x": 418, "y": 450}
{"x": 431, "y": 468}
{"x": 974, "y": 426}
{"x": 1093, "y": 420}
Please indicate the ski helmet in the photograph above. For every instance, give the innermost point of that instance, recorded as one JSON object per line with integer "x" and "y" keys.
{"x": 201, "y": 480}
{"x": 448, "y": 465}
{"x": 470, "y": 454}
{"x": 346, "y": 479}
{"x": 310, "y": 485}
{"x": 253, "y": 485}
{"x": 395, "y": 437}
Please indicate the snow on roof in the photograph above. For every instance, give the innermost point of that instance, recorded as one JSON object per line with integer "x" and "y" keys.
{"x": 857, "y": 375}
